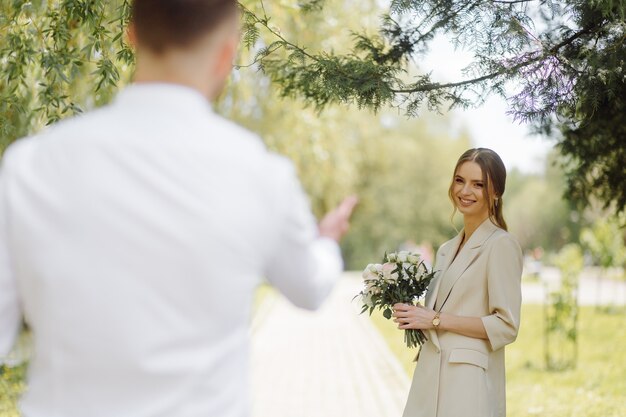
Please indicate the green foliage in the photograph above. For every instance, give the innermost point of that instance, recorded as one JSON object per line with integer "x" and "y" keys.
{"x": 11, "y": 386}
{"x": 57, "y": 58}
{"x": 561, "y": 311}
{"x": 400, "y": 168}
{"x": 536, "y": 212}
{"x": 323, "y": 78}
{"x": 504, "y": 37}
{"x": 311, "y": 5}
{"x": 594, "y": 134}
{"x": 605, "y": 241}
{"x": 562, "y": 58}
{"x": 403, "y": 190}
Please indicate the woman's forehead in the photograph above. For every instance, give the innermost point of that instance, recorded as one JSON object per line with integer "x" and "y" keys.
{"x": 470, "y": 170}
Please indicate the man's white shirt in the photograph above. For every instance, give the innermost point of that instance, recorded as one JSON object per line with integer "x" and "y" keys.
{"x": 132, "y": 239}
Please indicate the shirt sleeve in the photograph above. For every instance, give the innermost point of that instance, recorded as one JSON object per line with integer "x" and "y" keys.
{"x": 303, "y": 266}
{"x": 10, "y": 314}
{"x": 505, "y": 293}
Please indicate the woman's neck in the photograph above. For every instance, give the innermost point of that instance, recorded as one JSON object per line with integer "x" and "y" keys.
{"x": 470, "y": 224}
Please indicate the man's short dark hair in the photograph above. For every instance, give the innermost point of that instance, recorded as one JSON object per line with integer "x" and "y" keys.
{"x": 161, "y": 24}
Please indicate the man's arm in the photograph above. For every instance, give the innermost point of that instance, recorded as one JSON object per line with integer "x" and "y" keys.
{"x": 307, "y": 260}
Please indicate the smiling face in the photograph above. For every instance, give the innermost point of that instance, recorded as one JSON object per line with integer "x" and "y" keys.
{"x": 468, "y": 191}
{"x": 477, "y": 187}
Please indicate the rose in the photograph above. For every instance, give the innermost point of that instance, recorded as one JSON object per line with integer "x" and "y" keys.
{"x": 392, "y": 257}
{"x": 402, "y": 256}
{"x": 372, "y": 272}
{"x": 413, "y": 258}
{"x": 389, "y": 272}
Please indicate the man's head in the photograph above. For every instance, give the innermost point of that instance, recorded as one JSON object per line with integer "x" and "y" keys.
{"x": 185, "y": 40}
{"x": 163, "y": 24}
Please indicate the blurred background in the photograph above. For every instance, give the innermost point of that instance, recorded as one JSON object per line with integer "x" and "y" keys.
{"x": 60, "y": 57}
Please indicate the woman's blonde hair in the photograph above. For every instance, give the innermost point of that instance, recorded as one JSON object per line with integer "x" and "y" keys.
{"x": 494, "y": 179}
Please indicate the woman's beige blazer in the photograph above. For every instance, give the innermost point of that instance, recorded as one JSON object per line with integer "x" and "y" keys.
{"x": 459, "y": 376}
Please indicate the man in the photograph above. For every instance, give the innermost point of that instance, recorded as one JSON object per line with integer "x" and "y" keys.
{"x": 132, "y": 238}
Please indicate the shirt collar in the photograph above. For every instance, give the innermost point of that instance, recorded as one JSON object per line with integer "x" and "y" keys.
{"x": 175, "y": 96}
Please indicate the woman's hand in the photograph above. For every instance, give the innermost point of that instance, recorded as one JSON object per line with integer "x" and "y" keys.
{"x": 413, "y": 317}
{"x": 421, "y": 318}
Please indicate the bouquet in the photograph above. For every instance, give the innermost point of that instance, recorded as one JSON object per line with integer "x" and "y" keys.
{"x": 401, "y": 278}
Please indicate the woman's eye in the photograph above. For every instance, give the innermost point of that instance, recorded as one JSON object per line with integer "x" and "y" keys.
{"x": 479, "y": 185}
{"x": 458, "y": 181}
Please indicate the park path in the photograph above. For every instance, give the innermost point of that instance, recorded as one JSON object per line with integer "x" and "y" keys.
{"x": 330, "y": 363}
{"x": 591, "y": 290}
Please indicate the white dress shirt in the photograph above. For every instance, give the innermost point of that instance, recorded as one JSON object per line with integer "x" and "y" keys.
{"x": 132, "y": 239}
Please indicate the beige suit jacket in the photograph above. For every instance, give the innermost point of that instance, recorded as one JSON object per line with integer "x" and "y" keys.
{"x": 460, "y": 376}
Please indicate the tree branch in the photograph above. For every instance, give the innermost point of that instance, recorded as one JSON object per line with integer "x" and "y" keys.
{"x": 539, "y": 57}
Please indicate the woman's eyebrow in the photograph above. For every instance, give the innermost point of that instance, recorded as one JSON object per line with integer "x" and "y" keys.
{"x": 463, "y": 178}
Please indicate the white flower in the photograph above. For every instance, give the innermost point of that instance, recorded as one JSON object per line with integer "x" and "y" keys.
{"x": 392, "y": 257}
{"x": 369, "y": 277}
{"x": 372, "y": 272}
{"x": 414, "y": 258}
{"x": 402, "y": 256}
{"x": 368, "y": 274}
{"x": 389, "y": 273}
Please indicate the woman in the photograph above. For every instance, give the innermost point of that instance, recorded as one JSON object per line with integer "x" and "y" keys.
{"x": 472, "y": 306}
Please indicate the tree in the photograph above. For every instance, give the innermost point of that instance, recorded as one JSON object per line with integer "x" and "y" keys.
{"x": 400, "y": 168}
{"x": 536, "y": 212}
{"x": 605, "y": 242}
{"x": 57, "y": 58}
{"x": 560, "y": 63}
{"x": 561, "y": 311}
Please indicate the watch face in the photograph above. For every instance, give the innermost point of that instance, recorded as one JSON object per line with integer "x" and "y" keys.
{"x": 436, "y": 322}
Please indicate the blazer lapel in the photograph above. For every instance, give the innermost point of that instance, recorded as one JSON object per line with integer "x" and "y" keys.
{"x": 444, "y": 259}
{"x": 463, "y": 260}
{"x": 443, "y": 263}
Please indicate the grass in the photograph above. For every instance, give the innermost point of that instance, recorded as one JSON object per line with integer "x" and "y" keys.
{"x": 596, "y": 388}
{"x": 11, "y": 384}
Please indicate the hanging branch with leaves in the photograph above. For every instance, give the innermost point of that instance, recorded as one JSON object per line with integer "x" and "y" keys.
{"x": 559, "y": 63}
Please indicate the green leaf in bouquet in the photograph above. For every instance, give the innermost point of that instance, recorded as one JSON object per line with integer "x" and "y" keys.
{"x": 387, "y": 313}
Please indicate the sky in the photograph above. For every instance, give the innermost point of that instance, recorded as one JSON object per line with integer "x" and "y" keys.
{"x": 488, "y": 125}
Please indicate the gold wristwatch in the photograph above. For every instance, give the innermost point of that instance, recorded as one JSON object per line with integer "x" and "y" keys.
{"x": 436, "y": 320}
